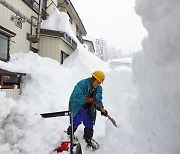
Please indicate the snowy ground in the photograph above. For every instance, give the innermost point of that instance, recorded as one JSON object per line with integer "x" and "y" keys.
{"x": 144, "y": 101}
{"x": 47, "y": 88}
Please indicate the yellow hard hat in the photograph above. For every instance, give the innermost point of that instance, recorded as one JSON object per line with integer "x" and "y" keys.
{"x": 99, "y": 75}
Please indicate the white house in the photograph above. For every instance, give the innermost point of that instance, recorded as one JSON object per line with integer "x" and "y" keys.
{"x": 20, "y": 31}
{"x": 120, "y": 62}
{"x": 89, "y": 44}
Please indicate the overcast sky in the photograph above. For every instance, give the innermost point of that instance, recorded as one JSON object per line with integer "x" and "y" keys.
{"x": 112, "y": 20}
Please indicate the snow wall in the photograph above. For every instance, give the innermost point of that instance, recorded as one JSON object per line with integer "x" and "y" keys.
{"x": 157, "y": 78}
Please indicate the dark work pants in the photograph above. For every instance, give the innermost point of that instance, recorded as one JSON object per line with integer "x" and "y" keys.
{"x": 85, "y": 117}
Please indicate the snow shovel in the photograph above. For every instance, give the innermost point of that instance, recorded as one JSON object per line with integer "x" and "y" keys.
{"x": 102, "y": 110}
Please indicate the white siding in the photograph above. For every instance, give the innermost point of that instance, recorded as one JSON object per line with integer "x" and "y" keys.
{"x": 19, "y": 43}
{"x": 52, "y": 46}
{"x": 89, "y": 45}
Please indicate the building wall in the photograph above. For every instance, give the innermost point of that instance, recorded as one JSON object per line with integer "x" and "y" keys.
{"x": 19, "y": 43}
{"x": 51, "y": 47}
{"x": 90, "y": 46}
{"x": 48, "y": 46}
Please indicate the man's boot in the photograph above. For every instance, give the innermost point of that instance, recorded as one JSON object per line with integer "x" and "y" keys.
{"x": 88, "y": 134}
{"x": 69, "y": 129}
{"x": 69, "y": 132}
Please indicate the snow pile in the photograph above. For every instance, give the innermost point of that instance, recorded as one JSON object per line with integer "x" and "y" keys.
{"x": 157, "y": 79}
{"x": 148, "y": 123}
{"x": 22, "y": 129}
{"x": 118, "y": 95}
{"x": 47, "y": 88}
{"x": 78, "y": 57}
{"x": 59, "y": 21}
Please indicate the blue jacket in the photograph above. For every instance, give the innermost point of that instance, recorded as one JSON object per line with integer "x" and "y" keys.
{"x": 79, "y": 93}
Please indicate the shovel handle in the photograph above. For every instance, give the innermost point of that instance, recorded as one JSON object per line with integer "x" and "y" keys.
{"x": 103, "y": 110}
{"x": 100, "y": 107}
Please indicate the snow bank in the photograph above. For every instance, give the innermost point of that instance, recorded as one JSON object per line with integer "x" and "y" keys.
{"x": 46, "y": 88}
{"x": 59, "y": 21}
{"x": 157, "y": 78}
{"x": 22, "y": 129}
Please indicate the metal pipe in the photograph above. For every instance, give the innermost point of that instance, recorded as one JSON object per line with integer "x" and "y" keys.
{"x": 39, "y": 20}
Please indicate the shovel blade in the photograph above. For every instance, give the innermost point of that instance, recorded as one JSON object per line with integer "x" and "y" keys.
{"x": 113, "y": 121}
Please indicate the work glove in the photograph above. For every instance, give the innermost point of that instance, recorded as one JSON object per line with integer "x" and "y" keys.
{"x": 89, "y": 99}
{"x": 104, "y": 113}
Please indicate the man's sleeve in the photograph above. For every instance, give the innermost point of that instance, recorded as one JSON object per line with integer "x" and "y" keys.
{"x": 78, "y": 95}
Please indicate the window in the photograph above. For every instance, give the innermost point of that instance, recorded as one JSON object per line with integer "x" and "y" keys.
{"x": 5, "y": 36}
{"x": 4, "y": 48}
{"x": 8, "y": 80}
{"x": 77, "y": 31}
{"x": 78, "y": 34}
{"x": 63, "y": 56}
{"x": 35, "y": 6}
{"x": 29, "y": 2}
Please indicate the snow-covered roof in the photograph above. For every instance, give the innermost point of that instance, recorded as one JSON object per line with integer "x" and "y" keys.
{"x": 121, "y": 60}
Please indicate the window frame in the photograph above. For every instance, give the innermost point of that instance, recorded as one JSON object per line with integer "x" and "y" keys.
{"x": 15, "y": 79}
{"x": 7, "y": 50}
{"x": 6, "y": 34}
{"x": 35, "y": 6}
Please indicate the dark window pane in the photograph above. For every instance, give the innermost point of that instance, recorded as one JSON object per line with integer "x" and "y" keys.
{"x": 3, "y": 47}
{"x": 34, "y": 5}
{"x": 10, "y": 80}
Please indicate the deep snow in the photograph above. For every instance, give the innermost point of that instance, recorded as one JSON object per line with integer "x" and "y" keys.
{"x": 47, "y": 88}
{"x": 156, "y": 76}
{"x": 144, "y": 101}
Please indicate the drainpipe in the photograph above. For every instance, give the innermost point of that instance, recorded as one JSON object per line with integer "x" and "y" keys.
{"x": 35, "y": 38}
{"x": 39, "y": 20}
